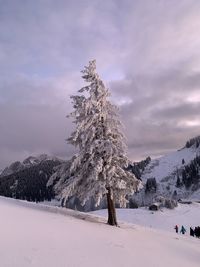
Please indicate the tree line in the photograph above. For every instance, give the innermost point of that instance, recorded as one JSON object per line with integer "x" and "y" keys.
{"x": 190, "y": 174}
{"x": 29, "y": 184}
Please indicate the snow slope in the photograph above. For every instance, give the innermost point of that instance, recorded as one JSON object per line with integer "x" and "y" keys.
{"x": 31, "y": 236}
{"x": 165, "y": 170}
{"x": 166, "y": 165}
{"x": 165, "y": 219}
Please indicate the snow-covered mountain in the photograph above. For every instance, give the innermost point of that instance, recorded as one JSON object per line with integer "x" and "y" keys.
{"x": 28, "y": 179}
{"x": 176, "y": 175}
{"x": 173, "y": 176}
{"x": 27, "y": 163}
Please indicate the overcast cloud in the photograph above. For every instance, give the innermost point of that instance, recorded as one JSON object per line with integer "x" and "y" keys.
{"x": 147, "y": 53}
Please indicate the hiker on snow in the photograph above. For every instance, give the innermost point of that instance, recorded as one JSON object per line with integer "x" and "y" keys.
{"x": 183, "y": 230}
{"x": 197, "y": 231}
{"x": 191, "y": 231}
{"x": 176, "y": 228}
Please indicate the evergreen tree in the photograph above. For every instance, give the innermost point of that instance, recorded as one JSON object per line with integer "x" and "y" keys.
{"x": 178, "y": 182}
{"x": 98, "y": 169}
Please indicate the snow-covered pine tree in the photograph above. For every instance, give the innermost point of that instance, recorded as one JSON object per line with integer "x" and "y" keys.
{"x": 98, "y": 169}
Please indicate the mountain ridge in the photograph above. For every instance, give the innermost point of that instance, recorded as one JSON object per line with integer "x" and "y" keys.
{"x": 173, "y": 176}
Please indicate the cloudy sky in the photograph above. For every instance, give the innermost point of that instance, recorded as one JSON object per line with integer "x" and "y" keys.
{"x": 147, "y": 52}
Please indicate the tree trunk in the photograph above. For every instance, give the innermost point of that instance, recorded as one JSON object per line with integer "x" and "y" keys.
{"x": 112, "y": 219}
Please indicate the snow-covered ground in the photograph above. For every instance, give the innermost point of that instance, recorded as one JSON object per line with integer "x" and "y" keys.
{"x": 165, "y": 219}
{"x": 35, "y": 235}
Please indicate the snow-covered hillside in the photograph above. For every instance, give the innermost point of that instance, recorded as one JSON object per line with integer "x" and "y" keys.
{"x": 166, "y": 171}
{"x": 167, "y": 165}
{"x": 27, "y": 180}
{"x": 162, "y": 172}
{"x": 27, "y": 163}
{"x": 31, "y": 236}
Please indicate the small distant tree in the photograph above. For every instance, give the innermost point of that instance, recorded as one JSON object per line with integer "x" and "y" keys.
{"x": 151, "y": 185}
{"x": 197, "y": 143}
{"x": 178, "y": 182}
{"x": 98, "y": 169}
{"x": 183, "y": 161}
{"x": 188, "y": 144}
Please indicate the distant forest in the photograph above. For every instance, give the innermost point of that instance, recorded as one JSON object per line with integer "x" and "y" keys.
{"x": 191, "y": 173}
{"x": 29, "y": 184}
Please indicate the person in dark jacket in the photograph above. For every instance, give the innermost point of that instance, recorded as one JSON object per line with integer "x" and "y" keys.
{"x": 176, "y": 228}
{"x": 197, "y": 231}
{"x": 191, "y": 231}
{"x": 183, "y": 230}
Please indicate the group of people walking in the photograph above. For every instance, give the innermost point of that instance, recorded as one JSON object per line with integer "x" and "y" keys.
{"x": 193, "y": 231}
{"x": 182, "y": 231}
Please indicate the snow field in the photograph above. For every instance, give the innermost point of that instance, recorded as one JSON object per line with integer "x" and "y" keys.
{"x": 32, "y": 236}
{"x": 165, "y": 219}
